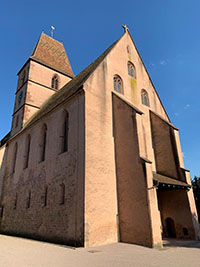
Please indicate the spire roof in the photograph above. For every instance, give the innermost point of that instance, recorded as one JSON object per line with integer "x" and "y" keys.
{"x": 52, "y": 53}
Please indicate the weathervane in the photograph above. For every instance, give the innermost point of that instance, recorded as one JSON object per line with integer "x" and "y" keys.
{"x": 52, "y": 29}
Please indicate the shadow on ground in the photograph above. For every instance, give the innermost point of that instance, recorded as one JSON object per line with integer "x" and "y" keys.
{"x": 171, "y": 242}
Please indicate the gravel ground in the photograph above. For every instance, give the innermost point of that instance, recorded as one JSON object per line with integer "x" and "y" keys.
{"x": 19, "y": 252}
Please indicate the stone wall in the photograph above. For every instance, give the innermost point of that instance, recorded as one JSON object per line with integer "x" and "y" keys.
{"x": 45, "y": 200}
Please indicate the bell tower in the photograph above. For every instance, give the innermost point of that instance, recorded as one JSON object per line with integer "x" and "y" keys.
{"x": 45, "y": 72}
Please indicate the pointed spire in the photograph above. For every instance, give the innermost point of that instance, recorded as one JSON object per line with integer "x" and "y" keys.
{"x": 52, "y": 53}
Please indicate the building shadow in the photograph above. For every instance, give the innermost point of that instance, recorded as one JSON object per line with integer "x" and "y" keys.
{"x": 173, "y": 242}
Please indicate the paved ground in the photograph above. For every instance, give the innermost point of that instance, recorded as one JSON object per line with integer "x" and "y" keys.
{"x": 18, "y": 252}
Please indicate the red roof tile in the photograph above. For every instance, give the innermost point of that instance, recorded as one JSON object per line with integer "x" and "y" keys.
{"x": 52, "y": 53}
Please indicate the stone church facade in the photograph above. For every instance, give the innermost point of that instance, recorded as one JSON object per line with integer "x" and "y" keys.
{"x": 93, "y": 159}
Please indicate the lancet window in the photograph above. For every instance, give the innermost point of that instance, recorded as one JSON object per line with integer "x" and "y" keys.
{"x": 54, "y": 82}
{"x": 118, "y": 84}
{"x": 43, "y": 142}
{"x": 144, "y": 97}
{"x": 27, "y": 151}
{"x": 65, "y": 132}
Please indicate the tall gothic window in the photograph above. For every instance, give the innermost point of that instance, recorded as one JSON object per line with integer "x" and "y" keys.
{"x": 27, "y": 151}
{"x": 65, "y": 132}
{"x": 131, "y": 70}
{"x": 14, "y": 157}
{"x": 118, "y": 84}
{"x": 43, "y": 142}
{"x": 45, "y": 196}
{"x": 144, "y": 97}
{"x": 54, "y": 82}
{"x": 28, "y": 201}
{"x": 15, "y": 203}
{"x": 62, "y": 194}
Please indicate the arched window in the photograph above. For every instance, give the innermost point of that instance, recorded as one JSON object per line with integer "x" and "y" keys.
{"x": 17, "y": 121}
{"x": 118, "y": 84}
{"x": 144, "y": 97}
{"x": 14, "y": 157}
{"x": 43, "y": 142}
{"x": 54, "y": 82}
{"x": 64, "y": 132}
{"x": 131, "y": 70}
{"x": 27, "y": 151}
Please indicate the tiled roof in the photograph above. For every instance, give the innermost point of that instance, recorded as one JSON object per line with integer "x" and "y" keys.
{"x": 52, "y": 53}
{"x": 168, "y": 180}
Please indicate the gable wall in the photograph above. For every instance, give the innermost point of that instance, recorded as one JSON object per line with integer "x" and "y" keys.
{"x": 101, "y": 221}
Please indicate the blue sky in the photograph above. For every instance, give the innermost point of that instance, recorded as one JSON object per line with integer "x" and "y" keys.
{"x": 166, "y": 33}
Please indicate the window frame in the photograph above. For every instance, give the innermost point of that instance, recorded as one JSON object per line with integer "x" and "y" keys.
{"x": 118, "y": 84}
{"x": 55, "y": 82}
{"x": 27, "y": 151}
{"x": 43, "y": 142}
{"x": 145, "y": 98}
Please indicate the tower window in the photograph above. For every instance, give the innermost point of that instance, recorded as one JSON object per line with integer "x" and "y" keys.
{"x": 54, "y": 82}
{"x": 17, "y": 121}
{"x": 131, "y": 70}
{"x": 23, "y": 77}
{"x": 128, "y": 49}
{"x": 118, "y": 85}
{"x": 144, "y": 97}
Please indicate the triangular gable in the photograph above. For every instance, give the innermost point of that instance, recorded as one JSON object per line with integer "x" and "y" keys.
{"x": 148, "y": 74}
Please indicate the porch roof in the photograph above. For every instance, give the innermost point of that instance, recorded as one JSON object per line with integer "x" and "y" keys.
{"x": 168, "y": 180}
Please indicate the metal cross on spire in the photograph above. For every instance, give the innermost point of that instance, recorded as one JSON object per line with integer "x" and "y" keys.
{"x": 125, "y": 27}
{"x": 52, "y": 29}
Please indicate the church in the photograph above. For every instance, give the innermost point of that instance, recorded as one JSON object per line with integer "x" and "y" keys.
{"x": 93, "y": 159}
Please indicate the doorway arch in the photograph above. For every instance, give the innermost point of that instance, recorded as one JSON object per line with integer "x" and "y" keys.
{"x": 170, "y": 227}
